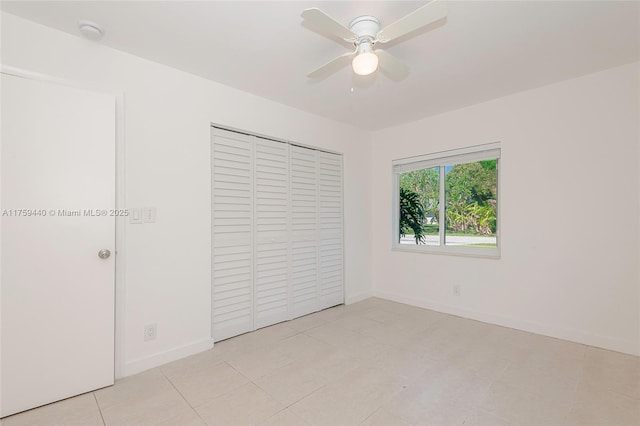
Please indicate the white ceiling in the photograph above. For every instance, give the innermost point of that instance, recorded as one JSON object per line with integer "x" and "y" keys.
{"x": 484, "y": 50}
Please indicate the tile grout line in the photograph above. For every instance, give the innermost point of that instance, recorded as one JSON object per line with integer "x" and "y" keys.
{"x": 237, "y": 371}
{"x": 286, "y": 406}
{"x": 250, "y": 381}
{"x": 182, "y": 396}
{"x": 99, "y": 409}
{"x": 265, "y": 391}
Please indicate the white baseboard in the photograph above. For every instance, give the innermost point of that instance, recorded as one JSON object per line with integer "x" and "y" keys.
{"x": 357, "y": 297}
{"x": 141, "y": 364}
{"x": 577, "y": 336}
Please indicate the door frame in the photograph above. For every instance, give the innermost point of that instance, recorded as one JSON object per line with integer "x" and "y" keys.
{"x": 120, "y": 228}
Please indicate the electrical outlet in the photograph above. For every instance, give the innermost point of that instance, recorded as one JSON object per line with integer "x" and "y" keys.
{"x": 150, "y": 332}
{"x": 456, "y": 289}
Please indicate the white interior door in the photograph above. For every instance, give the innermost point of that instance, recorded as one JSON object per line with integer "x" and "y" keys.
{"x": 57, "y": 294}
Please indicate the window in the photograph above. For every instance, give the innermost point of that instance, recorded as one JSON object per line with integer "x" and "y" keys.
{"x": 448, "y": 202}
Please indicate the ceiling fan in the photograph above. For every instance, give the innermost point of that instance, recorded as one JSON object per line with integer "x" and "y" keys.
{"x": 364, "y": 32}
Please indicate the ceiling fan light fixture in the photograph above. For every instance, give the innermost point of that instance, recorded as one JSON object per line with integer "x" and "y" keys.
{"x": 365, "y": 63}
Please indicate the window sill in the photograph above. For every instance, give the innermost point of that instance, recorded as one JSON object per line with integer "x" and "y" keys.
{"x": 449, "y": 251}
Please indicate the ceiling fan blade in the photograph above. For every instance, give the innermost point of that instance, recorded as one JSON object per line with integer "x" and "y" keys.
{"x": 430, "y": 12}
{"x": 327, "y": 24}
{"x": 392, "y": 66}
{"x": 332, "y": 66}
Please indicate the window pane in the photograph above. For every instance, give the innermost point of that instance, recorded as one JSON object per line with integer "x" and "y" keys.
{"x": 471, "y": 204}
{"x": 419, "y": 207}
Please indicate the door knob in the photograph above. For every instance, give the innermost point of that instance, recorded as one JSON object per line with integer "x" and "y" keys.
{"x": 104, "y": 254}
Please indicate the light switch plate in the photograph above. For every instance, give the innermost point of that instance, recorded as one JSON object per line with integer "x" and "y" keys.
{"x": 135, "y": 216}
{"x": 149, "y": 215}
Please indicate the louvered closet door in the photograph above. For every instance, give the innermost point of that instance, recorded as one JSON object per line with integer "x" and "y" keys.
{"x": 330, "y": 229}
{"x": 304, "y": 231}
{"x": 232, "y": 242}
{"x": 271, "y": 183}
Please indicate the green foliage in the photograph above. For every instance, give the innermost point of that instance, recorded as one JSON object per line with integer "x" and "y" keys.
{"x": 472, "y": 218}
{"x": 471, "y": 190}
{"x": 471, "y": 198}
{"x": 431, "y": 229}
{"x": 411, "y": 215}
{"x": 488, "y": 164}
{"x": 426, "y": 184}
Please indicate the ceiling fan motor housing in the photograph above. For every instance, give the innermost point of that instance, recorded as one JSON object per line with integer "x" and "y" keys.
{"x": 365, "y": 27}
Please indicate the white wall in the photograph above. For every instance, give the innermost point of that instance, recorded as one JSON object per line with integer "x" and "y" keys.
{"x": 569, "y": 213}
{"x": 555, "y": 277}
{"x": 167, "y": 116}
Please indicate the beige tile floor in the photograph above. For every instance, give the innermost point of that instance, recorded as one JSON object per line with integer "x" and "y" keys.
{"x": 371, "y": 363}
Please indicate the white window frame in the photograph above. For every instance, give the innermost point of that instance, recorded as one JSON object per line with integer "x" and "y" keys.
{"x": 441, "y": 159}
